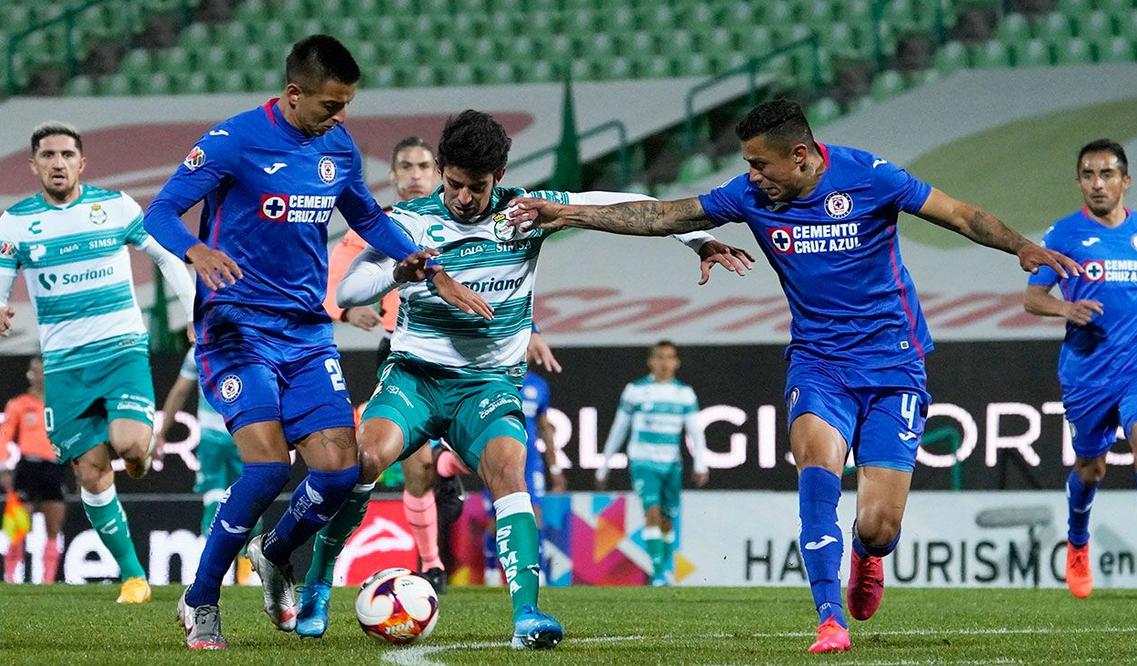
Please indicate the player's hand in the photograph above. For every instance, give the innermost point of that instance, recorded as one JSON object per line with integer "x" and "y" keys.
{"x": 1081, "y": 313}
{"x": 414, "y": 268}
{"x": 733, "y": 259}
{"x": 701, "y": 479}
{"x": 191, "y": 337}
{"x": 1032, "y": 256}
{"x": 461, "y": 296}
{"x": 160, "y": 445}
{"x": 363, "y": 317}
{"x": 527, "y": 213}
{"x": 541, "y": 354}
{"x": 7, "y": 312}
{"x": 558, "y": 484}
{"x": 215, "y": 267}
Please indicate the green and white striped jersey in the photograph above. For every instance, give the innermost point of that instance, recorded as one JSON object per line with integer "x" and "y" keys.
{"x": 78, "y": 274}
{"x": 490, "y": 257}
{"x": 656, "y": 414}
{"x": 207, "y": 416}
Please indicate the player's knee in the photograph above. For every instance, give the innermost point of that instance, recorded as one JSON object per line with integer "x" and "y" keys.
{"x": 375, "y": 455}
{"x": 877, "y": 526}
{"x": 1090, "y": 470}
{"x": 93, "y": 477}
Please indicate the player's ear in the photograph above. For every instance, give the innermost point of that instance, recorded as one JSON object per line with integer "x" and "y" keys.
{"x": 292, "y": 93}
{"x": 82, "y": 162}
{"x": 498, "y": 176}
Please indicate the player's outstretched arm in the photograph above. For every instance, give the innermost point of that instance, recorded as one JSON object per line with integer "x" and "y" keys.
{"x": 541, "y": 353}
{"x": 175, "y": 400}
{"x": 7, "y": 312}
{"x": 1039, "y": 301}
{"x": 635, "y": 218}
{"x": 986, "y": 229}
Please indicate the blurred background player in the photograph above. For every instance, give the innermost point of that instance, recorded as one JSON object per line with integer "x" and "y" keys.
{"x": 453, "y": 374}
{"x": 538, "y": 429}
{"x": 217, "y": 454}
{"x": 265, "y": 347}
{"x": 1097, "y": 366}
{"x": 96, "y": 357}
{"x": 657, "y": 410}
{"x": 37, "y": 477}
{"x": 856, "y": 377}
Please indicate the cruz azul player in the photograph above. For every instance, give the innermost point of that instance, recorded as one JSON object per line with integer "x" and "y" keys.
{"x": 1098, "y": 363}
{"x": 825, "y": 217}
{"x": 270, "y": 178}
{"x": 70, "y": 240}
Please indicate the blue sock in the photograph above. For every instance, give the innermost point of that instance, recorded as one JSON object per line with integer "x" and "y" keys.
{"x": 1080, "y": 498}
{"x": 314, "y": 502}
{"x": 864, "y": 550}
{"x": 819, "y": 490}
{"x": 242, "y": 505}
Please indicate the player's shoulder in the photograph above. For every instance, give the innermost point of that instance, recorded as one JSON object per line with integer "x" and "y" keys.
{"x": 555, "y": 196}
{"x": 1067, "y": 223}
{"x": 32, "y": 205}
{"x": 93, "y": 194}
{"x": 422, "y": 207}
{"x": 646, "y": 380}
{"x": 855, "y": 162}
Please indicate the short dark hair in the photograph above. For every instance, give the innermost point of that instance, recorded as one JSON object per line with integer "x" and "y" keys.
{"x": 780, "y": 119}
{"x": 316, "y": 59}
{"x": 1104, "y": 146}
{"x": 475, "y": 141}
{"x": 409, "y": 142}
{"x": 55, "y": 128}
{"x": 664, "y": 343}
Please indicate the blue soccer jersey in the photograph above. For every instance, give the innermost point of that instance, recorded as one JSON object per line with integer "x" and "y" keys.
{"x": 534, "y": 402}
{"x": 269, "y": 191}
{"x": 1105, "y": 350}
{"x": 837, "y": 255}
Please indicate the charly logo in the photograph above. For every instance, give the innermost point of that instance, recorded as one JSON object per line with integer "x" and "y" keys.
{"x": 98, "y": 215}
{"x": 502, "y": 229}
{"x": 327, "y": 169}
{"x": 230, "y": 388}
{"x": 838, "y": 205}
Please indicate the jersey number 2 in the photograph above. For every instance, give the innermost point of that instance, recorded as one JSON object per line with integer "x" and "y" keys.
{"x": 333, "y": 367}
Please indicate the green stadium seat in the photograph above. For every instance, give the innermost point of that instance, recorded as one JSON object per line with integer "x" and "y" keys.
{"x": 458, "y": 74}
{"x": 856, "y": 11}
{"x": 498, "y": 73}
{"x": 694, "y": 64}
{"x": 819, "y": 14}
{"x": 654, "y": 67}
{"x": 536, "y": 71}
{"x": 1117, "y": 49}
{"x": 383, "y": 76}
{"x": 581, "y": 69}
{"x": 1077, "y": 52}
{"x": 823, "y": 111}
{"x": 1074, "y": 8}
{"x": 227, "y": 82}
{"x": 754, "y": 39}
{"x": 434, "y": 7}
{"x": 700, "y": 16}
{"x": 216, "y": 59}
{"x": 1032, "y": 53}
{"x": 990, "y": 54}
{"x": 252, "y": 11}
{"x": 922, "y": 77}
{"x": 421, "y": 76}
{"x": 695, "y": 168}
{"x": 715, "y": 41}
{"x": 158, "y": 83}
{"x": 950, "y": 57}
{"x": 232, "y": 35}
{"x": 1127, "y": 25}
{"x": 658, "y": 18}
{"x": 273, "y": 31}
{"x": 617, "y": 68}
{"x": 886, "y": 85}
{"x": 677, "y": 43}
{"x": 736, "y": 14}
{"x": 598, "y": 45}
{"x": 196, "y": 33}
{"x": 267, "y": 80}
{"x": 1013, "y": 29}
{"x": 174, "y": 60}
{"x": 616, "y": 20}
{"x": 578, "y": 23}
{"x": 366, "y": 54}
{"x": 1094, "y": 26}
{"x": 1118, "y": 9}
{"x": 79, "y": 86}
{"x": 136, "y": 62}
{"x": 635, "y": 44}
{"x": 192, "y": 83}
{"x": 559, "y": 49}
{"x": 1054, "y": 29}
{"x": 113, "y": 84}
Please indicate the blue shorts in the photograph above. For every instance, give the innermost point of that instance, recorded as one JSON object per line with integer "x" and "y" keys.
{"x": 880, "y": 412}
{"x": 257, "y": 367}
{"x": 1095, "y": 412}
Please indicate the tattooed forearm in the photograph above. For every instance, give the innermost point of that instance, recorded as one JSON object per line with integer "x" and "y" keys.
{"x": 983, "y": 227}
{"x": 641, "y": 218}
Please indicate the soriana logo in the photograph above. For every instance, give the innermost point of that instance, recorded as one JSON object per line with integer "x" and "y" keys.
{"x": 381, "y": 541}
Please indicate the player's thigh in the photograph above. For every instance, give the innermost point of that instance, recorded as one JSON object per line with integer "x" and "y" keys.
{"x": 240, "y": 384}
{"x": 483, "y": 408}
{"x": 314, "y": 396}
{"x": 647, "y": 482}
{"x": 1094, "y": 413}
{"x": 670, "y": 488}
{"x": 823, "y": 415}
{"x": 402, "y": 414}
{"x": 212, "y": 453}
{"x": 891, "y": 428}
{"x": 129, "y": 400}
{"x": 74, "y": 413}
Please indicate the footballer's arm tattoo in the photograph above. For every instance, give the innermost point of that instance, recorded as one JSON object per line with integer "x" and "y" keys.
{"x": 641, "y": 218}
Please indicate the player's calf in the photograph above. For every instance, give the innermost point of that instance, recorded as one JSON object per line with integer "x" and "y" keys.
{"x": 866, "y": 575}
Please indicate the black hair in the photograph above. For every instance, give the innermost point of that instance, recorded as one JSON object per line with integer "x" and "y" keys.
{"x": 474, "y": 141}
{"x": 53, "y": 128}
{"x": 1105, "y": 146}
{"x": 664, "y": 343}
{"x": 318, "y": 58}
{"x": 409, "y": 142}
{"x": 781, "y": 120}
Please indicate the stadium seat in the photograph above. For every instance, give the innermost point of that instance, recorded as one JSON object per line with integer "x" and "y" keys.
{"x": 695, "y": 168}
{"x": 271, "y": 80}
{"x": 1117, "y": 49}
{"x": 458, "y": 74}
{"x": 1074, "y": 8}
{"x": 823, "y": 111}
{"x": 1054, "y": 29}
{"x": 1013, "y": 29}
{"x": 1032, "y": 53}
{"x": 383, "y": 76}
{"x": 1077, "y": 52}
{"x": 113, "y": 84}
{"x": 887, "y": 84}
{"x": 990, "y": 54}
{"x": 79, "y": 86}
{"x": 1094, "y": 25}
{"x": 951, "y": 57}
{"x": 157, "y": 83}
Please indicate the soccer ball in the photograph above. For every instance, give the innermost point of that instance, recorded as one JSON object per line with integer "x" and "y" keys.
{"x": 397, "y": 606}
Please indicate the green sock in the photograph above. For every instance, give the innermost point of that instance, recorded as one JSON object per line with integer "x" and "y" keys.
{"x": 517, "y": 549}
{"x": 331, "y": 538}
{"x": 668, "y": 550}
{"x": 656, "y": 550}
{"x": 109, "y": 520}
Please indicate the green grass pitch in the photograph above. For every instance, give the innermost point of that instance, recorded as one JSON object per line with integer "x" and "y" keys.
{"x": 81, "y": 625}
